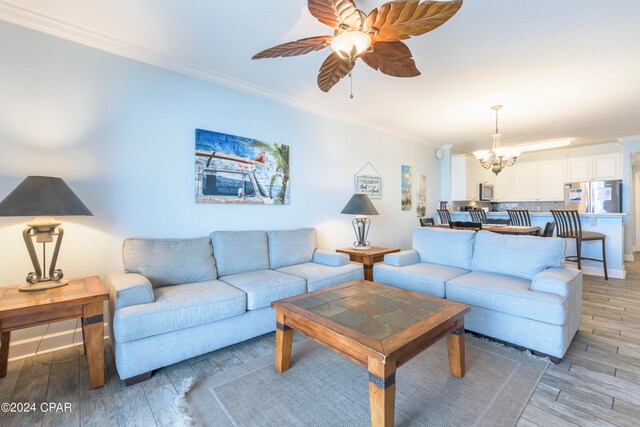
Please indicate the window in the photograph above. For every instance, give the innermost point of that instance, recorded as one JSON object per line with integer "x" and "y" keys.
{"x": 219, "y": 183}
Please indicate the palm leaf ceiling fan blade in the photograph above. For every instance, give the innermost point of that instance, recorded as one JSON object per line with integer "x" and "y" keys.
{"x": 392, "y": 58}
{"x": 333, "y": 69}
{"x": 298, "y": 47}
{"x": 375, "y": 37}
{"x": 404, "y": 19}
{"x": 335, "y": 12}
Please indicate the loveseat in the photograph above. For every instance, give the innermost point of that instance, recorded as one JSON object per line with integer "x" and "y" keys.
{"x": 180, "y": 298}
{"x": 517, "y": 286}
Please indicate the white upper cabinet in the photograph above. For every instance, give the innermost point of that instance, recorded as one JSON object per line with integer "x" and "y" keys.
{"x": 502, "y": 191}
{"x": 606, "y": 166}
{"x": 552, "y": 175}
{"x": 524, "y": 182}
{"x": 579, "y": 169}
{"x": 485, "y": 175}
{"x": 465, "y": 172}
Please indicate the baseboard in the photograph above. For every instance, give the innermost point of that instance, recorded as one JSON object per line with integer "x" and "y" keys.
{"x": 598, "y": 271}
{"x": 52, "y": 342}
{"x": 629, "y": 257}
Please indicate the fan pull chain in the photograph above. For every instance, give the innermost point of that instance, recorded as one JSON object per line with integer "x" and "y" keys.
{"x": 351, "y": 81}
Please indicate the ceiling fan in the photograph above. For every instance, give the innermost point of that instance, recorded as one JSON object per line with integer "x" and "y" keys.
{"x": 374, "y": 37}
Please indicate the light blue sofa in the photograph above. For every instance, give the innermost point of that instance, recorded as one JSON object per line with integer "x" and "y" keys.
{"x": 180, "y": 298}
{"x": 517, "y": 286}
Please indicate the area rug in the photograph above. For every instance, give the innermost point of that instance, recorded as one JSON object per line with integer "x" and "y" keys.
{"x": 324, "y": 389}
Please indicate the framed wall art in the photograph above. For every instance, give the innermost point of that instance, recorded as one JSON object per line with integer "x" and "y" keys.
{"x": 235, "y": 169}
{"x": 368, "y": 181}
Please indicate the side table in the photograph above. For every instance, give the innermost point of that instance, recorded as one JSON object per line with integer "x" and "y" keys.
{"x": 368, "y": 257}
{"x": 82, "y": 297}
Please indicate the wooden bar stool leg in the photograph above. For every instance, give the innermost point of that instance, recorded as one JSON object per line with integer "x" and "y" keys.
{"x": 604, "y": 260}
{"x": 579, "y": 250}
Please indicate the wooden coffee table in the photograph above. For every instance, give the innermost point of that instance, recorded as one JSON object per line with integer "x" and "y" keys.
{"x": 377, "y": 326}
{"x": 80, "y": 298}
{"x": 368, "y": 257}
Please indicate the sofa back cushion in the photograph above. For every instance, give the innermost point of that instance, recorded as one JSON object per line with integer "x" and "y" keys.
{"x": 519, "y": 256}
{"x": 291, "y": 247}
{"x": 240, "y": 251}
{"x": 453, "y": 248}
{"x": 170, "y": 261}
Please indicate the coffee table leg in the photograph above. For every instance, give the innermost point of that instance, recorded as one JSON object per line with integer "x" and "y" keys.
{"x": 93, "y": 334}
{"x": 382, "y": 392}
{"x": 284, "y": 341}
{"x": 455, "y": 347}
{"x": 4, "y": 352}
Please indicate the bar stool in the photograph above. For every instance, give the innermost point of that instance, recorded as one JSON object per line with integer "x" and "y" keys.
{"x": 445, "y": 216}
{"x": 427, "y": 222}
{"x": 570, "y": 227}
{"x": 549, "y": 228}
{"x": 519, "y": 217}
{"x": 478, "y": 215}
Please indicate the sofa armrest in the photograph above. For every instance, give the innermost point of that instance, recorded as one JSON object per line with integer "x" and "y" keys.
{"x": 556, "y": 280}
{"x": 126, "y": 289}
{"x": 332, "y": 259}
{"x": 402, "y": 258}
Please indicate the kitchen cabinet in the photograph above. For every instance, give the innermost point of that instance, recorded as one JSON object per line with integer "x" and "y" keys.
{"x": 606, "y": 166}
{"x": 465, "y": 172}
{"x": 524, "y": 182}
{"x": 593, "y": 168}
{"x": 502, "y": 189}
{"x": 485, "y": 176}
{"x": 552, "y": 175}
{"x": 579, "y": 169}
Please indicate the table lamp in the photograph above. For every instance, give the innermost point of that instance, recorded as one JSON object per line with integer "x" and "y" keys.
{"x": 43, "y": 197}
{"x": 360, "y": 206}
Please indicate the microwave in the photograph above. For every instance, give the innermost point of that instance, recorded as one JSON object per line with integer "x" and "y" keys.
{"x": 486, "y": 192}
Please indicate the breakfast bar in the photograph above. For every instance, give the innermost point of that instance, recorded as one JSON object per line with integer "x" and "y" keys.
{"x": 610, "y": 224}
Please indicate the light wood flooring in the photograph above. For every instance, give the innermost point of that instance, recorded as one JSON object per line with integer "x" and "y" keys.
{"x": 597, "y": 383}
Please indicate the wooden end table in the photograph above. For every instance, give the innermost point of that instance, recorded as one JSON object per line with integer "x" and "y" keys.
{"x": 368, "y": 257}
{"x": 377, "y": 326}
{"x": 82, "y": 297}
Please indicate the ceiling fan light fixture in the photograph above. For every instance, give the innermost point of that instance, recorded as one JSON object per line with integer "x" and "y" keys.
{"x": 350, "y": 45}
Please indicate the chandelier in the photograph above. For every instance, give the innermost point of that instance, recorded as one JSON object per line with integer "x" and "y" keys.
{"x": 498, "y": 157}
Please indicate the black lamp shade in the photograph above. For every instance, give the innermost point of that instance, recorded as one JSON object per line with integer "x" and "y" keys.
{"x": 359, "y": 204}
{"x": 42, "y": 196}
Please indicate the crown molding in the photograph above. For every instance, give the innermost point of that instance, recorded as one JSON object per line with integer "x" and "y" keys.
{"x": 35, "y": 21}
{"x": 624, "y": 139}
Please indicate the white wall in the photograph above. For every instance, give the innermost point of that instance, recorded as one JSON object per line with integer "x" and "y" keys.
{"x": 121, "y": 133}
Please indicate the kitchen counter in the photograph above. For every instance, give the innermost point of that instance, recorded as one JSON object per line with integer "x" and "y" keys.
{"x": 606, "y": 214}
{"x": 609, "y": 224}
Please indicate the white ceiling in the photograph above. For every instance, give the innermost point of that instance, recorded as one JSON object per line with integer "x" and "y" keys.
{"x": 561, "y": 68}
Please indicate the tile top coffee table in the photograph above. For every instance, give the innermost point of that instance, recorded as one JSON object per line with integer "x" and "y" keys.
{"x": 380, "y": 327}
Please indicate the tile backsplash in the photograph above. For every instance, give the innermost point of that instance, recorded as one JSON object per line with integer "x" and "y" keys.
{"x": 503, "y": 206}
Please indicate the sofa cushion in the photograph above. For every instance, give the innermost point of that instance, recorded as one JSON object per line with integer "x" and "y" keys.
{"x": 453, "y": 248}
{"x": 519, "y": 256}
{"x": 170, "y": 261}
{"x": 426, "y": 278}
{"x": 240, "y": 251}
{"x": 179, "y": 307}
{"x": 507, "y": 294}
{"x": 265, "y": 286}
{"x": 319, "y": 276}
{"x": 290, "y": 247}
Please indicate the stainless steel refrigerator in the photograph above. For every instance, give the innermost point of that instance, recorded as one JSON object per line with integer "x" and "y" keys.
{"x": 593, "y": 196}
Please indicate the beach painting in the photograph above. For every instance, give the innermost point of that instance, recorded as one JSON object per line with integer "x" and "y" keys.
{"x": 239, "y": 170}
{"x": 421, "y": 204}
{"x": 406, "y": 187}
